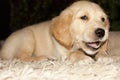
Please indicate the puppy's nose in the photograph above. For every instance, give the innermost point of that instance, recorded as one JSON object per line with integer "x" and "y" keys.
{"x": 100, "y": 32}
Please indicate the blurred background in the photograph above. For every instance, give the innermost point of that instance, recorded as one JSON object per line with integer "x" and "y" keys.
{"x": 16, "y": 14}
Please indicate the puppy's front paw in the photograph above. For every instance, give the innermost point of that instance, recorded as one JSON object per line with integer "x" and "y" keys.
{"x": 104, "y": 58}
{"x": 86, "y": 60}
{"x": 80, "y": 58}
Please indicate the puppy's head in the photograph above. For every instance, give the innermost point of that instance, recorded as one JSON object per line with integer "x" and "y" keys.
{"x": 85, "y": 25}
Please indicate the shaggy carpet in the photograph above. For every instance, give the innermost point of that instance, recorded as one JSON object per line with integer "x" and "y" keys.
{"x": 58, "y": 70}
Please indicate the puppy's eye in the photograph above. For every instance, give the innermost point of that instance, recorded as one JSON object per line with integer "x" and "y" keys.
{"x": 103, "y": 19}
{"x": 84, "y": 17}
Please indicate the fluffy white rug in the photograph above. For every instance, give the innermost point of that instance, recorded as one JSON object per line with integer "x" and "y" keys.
{"x": 58, "y": 70}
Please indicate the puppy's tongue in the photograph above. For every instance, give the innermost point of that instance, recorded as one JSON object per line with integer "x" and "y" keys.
{"x": 93, "y": 44}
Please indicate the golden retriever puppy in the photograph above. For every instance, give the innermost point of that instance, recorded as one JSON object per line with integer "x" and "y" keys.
{"x": 80, "y": 31}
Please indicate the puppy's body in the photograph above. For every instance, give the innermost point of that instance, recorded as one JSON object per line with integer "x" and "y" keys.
{"x": 33, "y": 41}
{"x": 76, "y": 30}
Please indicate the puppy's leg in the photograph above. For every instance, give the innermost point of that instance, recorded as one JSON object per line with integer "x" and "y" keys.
{"x": 16, "y": 43}
{"x": 26, "y": 52}
{"x": 20, "y": 45}
{"x": 80, "y": 57}
{"x": 101, "y": 54}
{"x": 31, "y": 58}
{"x": 103, "y": 57}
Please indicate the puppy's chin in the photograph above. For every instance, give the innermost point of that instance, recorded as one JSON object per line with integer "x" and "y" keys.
{"x": 89, "y": 51}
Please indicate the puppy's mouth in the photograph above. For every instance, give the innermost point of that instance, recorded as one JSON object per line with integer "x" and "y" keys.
{"x": 93, "y": 45}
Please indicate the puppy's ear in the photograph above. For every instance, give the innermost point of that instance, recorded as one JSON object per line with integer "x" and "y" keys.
{"x": 61, "y": 28}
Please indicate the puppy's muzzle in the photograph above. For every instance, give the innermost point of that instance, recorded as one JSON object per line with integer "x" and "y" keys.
{"x": 100, "y": 33}
{"x": 95, "y": 45}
